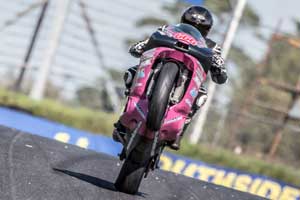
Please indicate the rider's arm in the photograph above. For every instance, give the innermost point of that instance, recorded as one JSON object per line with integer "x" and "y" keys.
{"x": 218, "y": 70}
{"x": 138, "y": 48}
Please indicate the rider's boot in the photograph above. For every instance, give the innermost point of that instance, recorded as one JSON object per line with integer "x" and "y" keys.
{"x": 176, "y": 144}
{"x": 119, "y": 132}
{"x": 128, "y": 78}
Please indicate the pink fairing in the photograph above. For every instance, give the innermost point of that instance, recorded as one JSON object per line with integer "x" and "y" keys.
{"x": 137, "y": 105}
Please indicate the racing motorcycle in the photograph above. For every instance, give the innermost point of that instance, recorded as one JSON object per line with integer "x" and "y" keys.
{"x": 161, "y": 100}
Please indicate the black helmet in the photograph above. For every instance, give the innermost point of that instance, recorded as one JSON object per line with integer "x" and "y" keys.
{"x": 199, "y": 17}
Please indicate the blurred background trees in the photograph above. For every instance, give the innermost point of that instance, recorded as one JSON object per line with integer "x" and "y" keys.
{"x": 267, "y": 108}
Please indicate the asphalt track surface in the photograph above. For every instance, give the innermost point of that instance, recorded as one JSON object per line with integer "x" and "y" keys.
{"x": 37, "y": 168}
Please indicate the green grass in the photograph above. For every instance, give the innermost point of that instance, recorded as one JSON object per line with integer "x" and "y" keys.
{"x": 82, "y": 118}
{"x": 101, "y": 122}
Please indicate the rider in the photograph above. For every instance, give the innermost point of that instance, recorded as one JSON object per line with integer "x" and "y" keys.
{"x": 201, "y": 19}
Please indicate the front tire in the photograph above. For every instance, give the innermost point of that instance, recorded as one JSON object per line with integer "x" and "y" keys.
{"x": 160, "y": 95}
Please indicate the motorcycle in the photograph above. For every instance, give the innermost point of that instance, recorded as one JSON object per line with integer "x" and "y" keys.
{"x": 161, "y": 100}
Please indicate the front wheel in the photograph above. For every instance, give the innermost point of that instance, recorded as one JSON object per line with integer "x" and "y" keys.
{"x": 160, "y": 95}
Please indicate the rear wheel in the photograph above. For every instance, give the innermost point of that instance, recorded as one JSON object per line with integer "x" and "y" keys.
{"x": 133, "y": 169}
{"x": 160, "y": 95}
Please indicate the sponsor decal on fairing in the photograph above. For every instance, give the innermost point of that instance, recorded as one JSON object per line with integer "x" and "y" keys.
{"x": 197, "y": 81}
{"x": 188, "y": 102}
{"x": 146, "y": 58}
{"x": 199, "y": 74}
{"x": 140, "y": 111}
{"x": 137, "y": 84}
{"x": 146, "y": 62}
{"x": 193, "y": 92}
{"x": 173, "y": 120}
{"x": 141, "y": 73}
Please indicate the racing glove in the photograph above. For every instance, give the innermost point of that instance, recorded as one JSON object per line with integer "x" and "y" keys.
{"x": 138, "y": 48}
{"x": 218, "y": 70}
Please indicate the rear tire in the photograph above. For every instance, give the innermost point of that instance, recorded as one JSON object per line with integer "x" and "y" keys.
{"x": 160, "y": 95}
{"x": 133, "y": 169}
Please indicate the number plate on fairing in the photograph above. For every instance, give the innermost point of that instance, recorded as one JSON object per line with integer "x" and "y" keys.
{"x": 185, "y": 38}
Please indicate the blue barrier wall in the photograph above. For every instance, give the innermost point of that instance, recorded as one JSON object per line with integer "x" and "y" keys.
{"x": 43, "y": 127}
{"x": 246, "y": 182}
